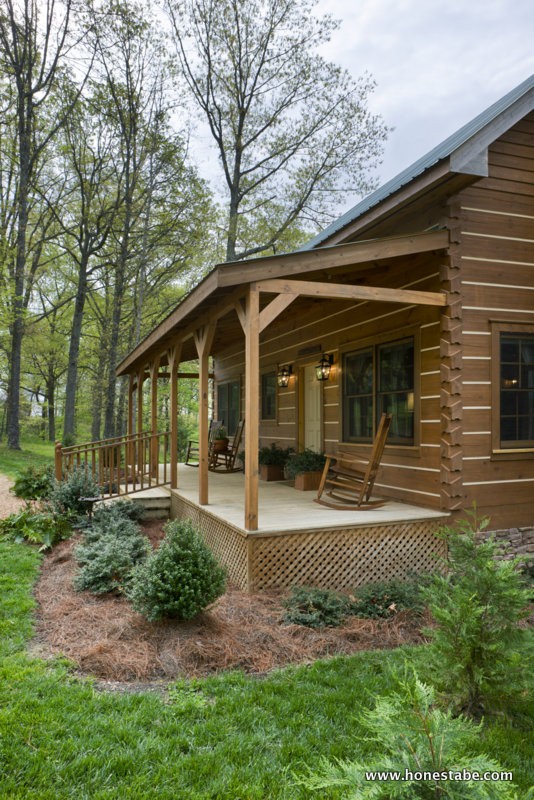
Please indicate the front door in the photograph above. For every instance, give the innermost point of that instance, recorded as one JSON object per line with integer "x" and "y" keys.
{"x": 311, "y": 411}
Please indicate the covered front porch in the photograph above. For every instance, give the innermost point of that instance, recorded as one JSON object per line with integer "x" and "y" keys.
{"x": 299, "y": 542}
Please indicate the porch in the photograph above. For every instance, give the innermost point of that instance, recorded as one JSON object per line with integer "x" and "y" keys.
{"x": 299, "y": 542}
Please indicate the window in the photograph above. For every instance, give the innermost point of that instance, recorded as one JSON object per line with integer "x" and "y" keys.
{"x": 268, "y": 395}
{"x": 516, "y": 390}
{"x": 229, "y": 405}
{"x": 379, "y": 379}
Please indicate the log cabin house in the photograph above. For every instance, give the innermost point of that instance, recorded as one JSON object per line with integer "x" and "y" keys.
{"x": 421, "y": 301}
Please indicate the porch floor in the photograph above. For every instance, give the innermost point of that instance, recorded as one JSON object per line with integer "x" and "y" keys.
{"x": 283, "y": 508}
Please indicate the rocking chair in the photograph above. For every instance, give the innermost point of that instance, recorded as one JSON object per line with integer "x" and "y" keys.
{"x": 192, "y": 455}
{"x": 224, "y": 460}
{"x": 345, "y": 482}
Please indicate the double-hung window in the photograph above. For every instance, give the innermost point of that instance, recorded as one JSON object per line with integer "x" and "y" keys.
{"x": 377, "y": 379}
{"x": 516, "y": 390}
{"x": 228, "y": 405}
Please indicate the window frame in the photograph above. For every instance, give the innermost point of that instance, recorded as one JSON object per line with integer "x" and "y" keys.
{"x": 373, "y": 344}
{"x": 497, "y": 329}
{"x": 225, "y": 385}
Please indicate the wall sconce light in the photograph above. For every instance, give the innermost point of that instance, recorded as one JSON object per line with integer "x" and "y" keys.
{"x": 322, "y": 369}
{"x": 284, "y": 373}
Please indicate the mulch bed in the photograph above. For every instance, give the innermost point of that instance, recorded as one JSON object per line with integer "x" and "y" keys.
{"x": 106, "y": 639}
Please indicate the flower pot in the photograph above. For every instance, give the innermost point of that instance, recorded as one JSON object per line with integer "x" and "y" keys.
{"x": 271, "y": 472}
{"x": 308, "y": 481}
{"x": 220, "y": 445}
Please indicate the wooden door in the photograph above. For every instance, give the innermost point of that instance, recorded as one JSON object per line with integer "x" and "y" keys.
{"x": 311, "y": 412}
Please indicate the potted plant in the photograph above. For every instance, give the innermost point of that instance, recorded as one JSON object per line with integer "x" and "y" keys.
{"x": 306, "y": 469}
{"x": 220, "y": 440}
{"x": 272, "y": 461}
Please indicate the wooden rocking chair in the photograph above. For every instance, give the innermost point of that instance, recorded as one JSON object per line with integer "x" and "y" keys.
{"x": 224, "y": 460}
{"x": 192, "y": 455}
{"x": 345, "y": 482}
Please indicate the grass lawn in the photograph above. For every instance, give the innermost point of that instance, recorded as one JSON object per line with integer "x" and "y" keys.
{"x": 230, "y": 737}
{"x": 33, "y": 452}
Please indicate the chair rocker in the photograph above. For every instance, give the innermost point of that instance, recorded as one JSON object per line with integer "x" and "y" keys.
{"x": 224, "y": 460}
{"x": 345, "y": 483}
{"x": 192, "y": 455}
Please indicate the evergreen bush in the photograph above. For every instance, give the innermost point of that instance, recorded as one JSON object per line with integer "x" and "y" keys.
{"x": 421, "y": 743}
{"x": 180, "y": 579}
{"x": 315, "y": 608}
{"x": 125, "y": 509}
{"x": 107, "y": 562}
{"x": 479, "y": 651}
{"x": 66, "y": 496}
{"x": 386, "y": 598}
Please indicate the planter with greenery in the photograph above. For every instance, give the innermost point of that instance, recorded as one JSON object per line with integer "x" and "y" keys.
{"x": 306, "y": 469}
{"x": 272, "y": 461}
{"x": 220, "y": 439}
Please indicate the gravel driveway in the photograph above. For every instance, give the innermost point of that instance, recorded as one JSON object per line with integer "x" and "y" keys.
{"x": 8, "y": 502}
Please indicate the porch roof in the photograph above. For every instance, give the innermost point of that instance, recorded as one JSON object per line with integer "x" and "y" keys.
{"x": 220, "y": 292}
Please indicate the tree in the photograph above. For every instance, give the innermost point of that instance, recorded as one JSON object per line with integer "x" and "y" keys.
{"x": 293, "y": 131}
{"x": 33, "y": 44}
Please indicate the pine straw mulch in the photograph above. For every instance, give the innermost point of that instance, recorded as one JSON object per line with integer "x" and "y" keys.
{"x": 106, "y": 639}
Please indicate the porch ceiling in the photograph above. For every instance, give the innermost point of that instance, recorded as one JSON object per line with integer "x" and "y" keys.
{"x": 215, "y": 297}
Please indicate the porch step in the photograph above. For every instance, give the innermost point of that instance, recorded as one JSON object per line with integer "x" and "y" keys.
{"x": 156, "y": 503}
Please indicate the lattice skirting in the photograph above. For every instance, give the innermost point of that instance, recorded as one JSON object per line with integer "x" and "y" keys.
{"x": 338, "y": 559}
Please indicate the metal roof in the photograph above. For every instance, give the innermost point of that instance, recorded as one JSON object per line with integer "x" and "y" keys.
{"x": 438, "y": 153}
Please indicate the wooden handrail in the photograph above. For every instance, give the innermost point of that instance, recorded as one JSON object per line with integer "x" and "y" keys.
{"x": 121, "y": 464}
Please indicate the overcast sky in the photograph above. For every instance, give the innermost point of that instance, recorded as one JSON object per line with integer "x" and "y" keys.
{"x": 437, "y": 63}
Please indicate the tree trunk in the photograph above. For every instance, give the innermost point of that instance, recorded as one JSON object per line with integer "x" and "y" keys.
{"x": 74, "y": 350}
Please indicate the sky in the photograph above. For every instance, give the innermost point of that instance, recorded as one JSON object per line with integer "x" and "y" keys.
{"x": 437, "y": 63}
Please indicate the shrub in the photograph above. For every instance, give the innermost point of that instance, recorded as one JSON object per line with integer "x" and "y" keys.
{"x": 117, "y": 527}
{"x": 387, "y": 598}
{"x": 107, "y": 562}
{"x": 34, "y": 483}
{"x": 125, "y": 509}
{"x": 315, "y": 608}
{"x": 274, "y": 455}
{"x": 66, "y": 495}
{"x": 420, "y": 742}
{"x": 43, "y": 528}
{"x": 180, "y": 579}
{"x": 305, "y": 461}
{"x": 479, "y": 651}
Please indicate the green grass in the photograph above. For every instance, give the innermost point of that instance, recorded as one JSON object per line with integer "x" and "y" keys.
{"x": 223, "y": 738}
{"x": 33, "y": 452}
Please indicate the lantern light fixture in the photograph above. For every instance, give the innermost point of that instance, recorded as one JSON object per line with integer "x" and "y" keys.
{"x": 284, "y": 374}
{"x": 322, "y": 369}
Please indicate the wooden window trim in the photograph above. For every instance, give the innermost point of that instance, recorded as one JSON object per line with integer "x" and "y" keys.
{"x": 414, "y": 449}
{"x": 497, "y": 452}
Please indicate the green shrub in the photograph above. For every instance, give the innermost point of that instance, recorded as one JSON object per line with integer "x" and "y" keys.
{"x": 180, "y": 579}
{"x": 43, "y": 528}
{"x": 34, "y": 483}
{"x": 66, "y": 495}
{"x": 108, "y": 561}
{"x": 274, "y": 455}
{"x": 387, "y": 598}
{"x": 114, "y": 526}
{"x": 479, "y": 651}
{"x": 315, "y": 608}
{"x": 305, "y": 461}
{"x": 125, "y": 509}
{"x": 415, "y": 738}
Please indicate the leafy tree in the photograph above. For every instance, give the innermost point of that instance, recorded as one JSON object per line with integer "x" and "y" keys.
{"x": 292, "y": 130}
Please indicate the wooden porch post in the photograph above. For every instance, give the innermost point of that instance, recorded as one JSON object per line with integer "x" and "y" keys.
{"x": 140, "y": 443}
{"x": 154, "y": 445}
{"x": 203, "y": 340}
{"x": 252, "y": 399}
{"x": 130, "y": 450}
{"x": 174, "y": 360}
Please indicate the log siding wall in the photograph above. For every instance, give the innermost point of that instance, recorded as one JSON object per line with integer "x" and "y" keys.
{"x": 488, "y": 278}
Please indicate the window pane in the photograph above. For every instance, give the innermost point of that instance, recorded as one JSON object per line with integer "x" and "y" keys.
{"x": 396, "y": 366}
{"x": 517, "y": 390}
{"x": 234, "y": 406}
{"x": 400, "y": 406}
{"x": 359, "y": 418}
{"x": 358, "y": 373}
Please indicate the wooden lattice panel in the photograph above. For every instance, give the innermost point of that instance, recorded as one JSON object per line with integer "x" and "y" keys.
{"x": 228, "y": 544}
{"x": 343, "y": 559}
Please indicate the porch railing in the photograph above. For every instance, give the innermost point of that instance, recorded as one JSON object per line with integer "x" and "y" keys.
{"x": 121, "y": 465}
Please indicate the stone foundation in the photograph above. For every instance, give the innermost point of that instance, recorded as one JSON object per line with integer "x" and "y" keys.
{"x": 515, "y": 541}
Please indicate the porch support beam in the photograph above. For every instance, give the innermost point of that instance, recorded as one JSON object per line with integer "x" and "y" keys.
{"x": 130, "y": 448}
{"x": 173, "y": 357}
{"x": 342, "y": 291}
{"x": 252, "y": 399}
{"x": 275, "y": 307}
{"x": 154, "y": 370}
{"x": 203, "y": 341}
